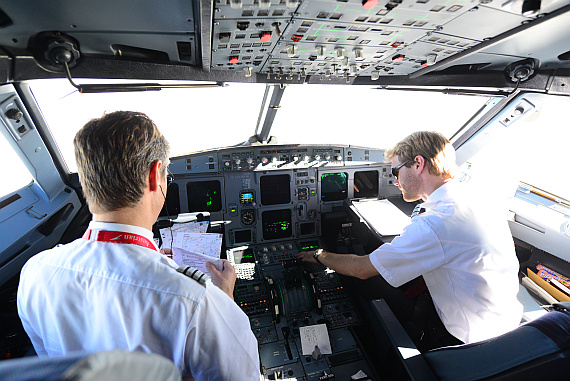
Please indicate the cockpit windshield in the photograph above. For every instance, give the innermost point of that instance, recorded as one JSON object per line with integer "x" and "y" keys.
{"x": 204, "y": 118}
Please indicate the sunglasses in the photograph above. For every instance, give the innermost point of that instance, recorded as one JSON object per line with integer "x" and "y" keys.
{"x": 396, "y": 169}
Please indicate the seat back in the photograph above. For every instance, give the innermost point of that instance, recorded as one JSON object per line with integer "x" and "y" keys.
{"x": 539, "y": 347}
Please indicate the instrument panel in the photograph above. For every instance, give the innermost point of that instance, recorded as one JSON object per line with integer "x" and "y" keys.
{"x": 272, "y": 202}
{"x": 270, "y": 193}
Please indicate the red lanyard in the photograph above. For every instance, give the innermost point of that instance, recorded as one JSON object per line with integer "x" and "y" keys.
{"x": 120, "y": 237}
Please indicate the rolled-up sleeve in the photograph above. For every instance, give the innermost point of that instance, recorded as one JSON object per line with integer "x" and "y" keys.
{"x": 416, "y": 251}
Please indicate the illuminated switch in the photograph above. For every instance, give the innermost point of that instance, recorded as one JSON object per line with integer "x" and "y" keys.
{"x": 297, "y": 37}
{"x": 367, "y": 4}
{"x": 398, "y": 58}
{"x": 265, "y": 36}
{"x": 397, "y": 44}
{"x": 234, "y": 59}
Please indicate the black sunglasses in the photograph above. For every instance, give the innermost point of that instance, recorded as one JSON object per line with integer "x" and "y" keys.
{"x": 396, "y": 169}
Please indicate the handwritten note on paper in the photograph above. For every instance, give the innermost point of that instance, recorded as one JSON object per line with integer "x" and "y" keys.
{"x": 209, "y": 244}
{"x": 315, "y": 335}
{"x": 196, "y": 260}
{"x": 187, "y": 227}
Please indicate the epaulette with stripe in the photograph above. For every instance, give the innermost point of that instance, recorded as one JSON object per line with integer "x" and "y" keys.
{"x": 193, "y": 273}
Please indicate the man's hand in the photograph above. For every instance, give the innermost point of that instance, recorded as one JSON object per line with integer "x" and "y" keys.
{"x": 166, "y": 252}
{"x": 225, "y": 279}
{"x": 306, "y": 256}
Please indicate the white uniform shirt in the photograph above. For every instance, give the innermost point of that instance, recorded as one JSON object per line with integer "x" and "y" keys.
{"x": 465, "y": 252}
{"x": 95, "y": 296}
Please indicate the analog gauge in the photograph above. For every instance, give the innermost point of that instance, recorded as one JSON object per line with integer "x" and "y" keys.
{"x": 247, "y": 216}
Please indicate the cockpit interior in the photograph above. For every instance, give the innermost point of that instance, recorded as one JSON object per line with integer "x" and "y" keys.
{"x": 279, "y": 114}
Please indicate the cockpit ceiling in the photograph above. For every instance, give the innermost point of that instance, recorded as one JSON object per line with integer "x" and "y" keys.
{"x": 293, "y": 41}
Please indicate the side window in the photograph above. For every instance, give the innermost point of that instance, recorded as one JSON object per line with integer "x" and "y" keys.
{"x": 15, "y": 174}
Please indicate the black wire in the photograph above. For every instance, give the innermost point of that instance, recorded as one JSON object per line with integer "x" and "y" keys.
{"x": 168, "y": 216}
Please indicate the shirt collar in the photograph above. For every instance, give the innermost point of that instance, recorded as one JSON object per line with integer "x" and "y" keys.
{"x": 109, "y": 226}
{"x": 440, "y": 194}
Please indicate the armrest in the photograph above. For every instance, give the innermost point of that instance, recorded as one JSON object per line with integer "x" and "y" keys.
{"x": 411, "y": 359}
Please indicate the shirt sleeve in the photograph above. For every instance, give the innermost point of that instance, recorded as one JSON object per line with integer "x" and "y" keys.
{"x": 220, "y": 344}
{"x": 415, "y": 252}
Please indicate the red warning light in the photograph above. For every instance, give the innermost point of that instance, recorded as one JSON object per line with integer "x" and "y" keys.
{"x": 234, "y": 59}
{"x": 398, "y": 58}
{"x": 424, "y": 64}
{"x": 265, "y": 36}
{"x": 397, "y": 44}
{"x": 297, "y": 37}
{"x": 367, "y": 4}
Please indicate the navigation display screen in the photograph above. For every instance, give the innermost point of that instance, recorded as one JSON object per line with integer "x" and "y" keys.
{"x": 334, "y": 186}
{"x": 204, "y": 196}
{"x": 365, "y": 184}
{"x": 276, "y": 224}
{"x": 275, "y": 189}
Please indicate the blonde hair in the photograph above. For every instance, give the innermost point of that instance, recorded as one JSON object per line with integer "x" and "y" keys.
{"x": 432, "y": 146}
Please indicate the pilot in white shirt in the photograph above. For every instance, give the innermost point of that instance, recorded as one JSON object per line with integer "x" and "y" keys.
{"x": 112, "y": 289}
{"x": 461, "y": 247}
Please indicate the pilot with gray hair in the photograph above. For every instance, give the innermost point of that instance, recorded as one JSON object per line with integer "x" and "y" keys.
{"x": 113, "y": 289}
{"x": 461, "y": 246}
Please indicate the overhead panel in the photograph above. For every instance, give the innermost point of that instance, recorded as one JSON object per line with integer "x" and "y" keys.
{"x": 246, "y": 32}
{"x": 288, "y": 40}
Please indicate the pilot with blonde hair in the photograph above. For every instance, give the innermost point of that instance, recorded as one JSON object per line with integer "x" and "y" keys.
{"x": 460, "y": 245}
{"x": 112, "y": 289}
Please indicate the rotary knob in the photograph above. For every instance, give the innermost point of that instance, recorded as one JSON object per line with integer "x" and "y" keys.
{"x": 317, "y": 157}
{"x": 338, "y": 158}
{"x": 274, "y": 159}
{"x": 249, "y": 160}
{"x": 327, "y": 157}
{"x": 281, "y": 247}
{"x": 237, "y": 160}
{"x": 306, "y": 157}
{"x": 264, "y": 160}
